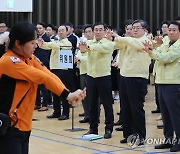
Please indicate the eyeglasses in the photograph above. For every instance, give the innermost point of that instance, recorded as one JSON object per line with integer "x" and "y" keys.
{"x": 137, "y": 28}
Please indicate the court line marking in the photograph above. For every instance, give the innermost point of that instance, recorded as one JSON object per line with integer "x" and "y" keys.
{"x": 110, "y": 152}
{"x": 57, "y": 141}
{"x": 76, "y": 138}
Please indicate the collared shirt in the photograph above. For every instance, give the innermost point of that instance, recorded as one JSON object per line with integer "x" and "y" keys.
{"x": 135, "y": 62}
{"x": 40, "y": 36}
{"x": 83, "y": 62}
{"x": 168, "y": 63}
{"x": 55, "y": 46}
{"x": 99, "y": 57}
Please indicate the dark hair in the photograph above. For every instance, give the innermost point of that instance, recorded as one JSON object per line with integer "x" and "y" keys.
{"x": 167, "y": 22}
{"x": 87, "y": 26}
{"x": 109, "y": 27}
{"x": 78, "y": 32}
{"x": 42, "y": 24}
{"x": 51, "y": 26}
{"x": 128, "y": 22}
{"x": 79, "y": 27}
{"x": 118, "y": 31}
{"x": 99, "y": 23}
{"x": 159, "y": 29}
{"x": 69, "y": 24}
{"x": 23, "y": 32}
{"x": 64, "y": 26}
{"x": 177, "y": 18}
{"x": 4, "y": 22}
{"x": 175, "y": 23}
{"x": 142, "y": 22}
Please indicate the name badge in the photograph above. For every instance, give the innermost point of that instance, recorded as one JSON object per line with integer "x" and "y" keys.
{"x": 65, "y": 59}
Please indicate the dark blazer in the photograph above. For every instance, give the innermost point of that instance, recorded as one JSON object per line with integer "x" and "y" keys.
{"x": 73, "y": 40}
{"x": 42, "y": 54}
{"x": 53, "y": 38}
{"x": 2, "y": 49}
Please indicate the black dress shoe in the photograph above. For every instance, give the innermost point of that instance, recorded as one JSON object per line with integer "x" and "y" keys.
{"x": 53, "y": 116}
{"x": 63, "y": 117}
{"x": 81, "y": 114}
{"x": 155, "y": 111}
{"x": 175, "y": 148}
{"x": 123, "y": 141}
{"x": 160, "y": 126}
{"x": 85, "y": 120}
{"x": 119, "y": 128}
{"x": 108, "y": 134}
{"x": 90, "y": 131}
{"x": 163, "y": 146}
{"x": 117, "y": 123}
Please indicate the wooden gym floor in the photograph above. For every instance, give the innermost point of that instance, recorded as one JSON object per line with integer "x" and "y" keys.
{"x": 49, "y": 136}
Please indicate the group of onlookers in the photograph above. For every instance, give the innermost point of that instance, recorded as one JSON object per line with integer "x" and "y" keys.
{"x": 109, "y": 60}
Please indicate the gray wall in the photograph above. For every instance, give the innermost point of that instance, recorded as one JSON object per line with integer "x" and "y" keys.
{"x": 112, "y": 12}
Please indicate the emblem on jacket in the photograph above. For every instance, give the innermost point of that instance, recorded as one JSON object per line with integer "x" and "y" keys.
{"x": 15, "y": 60}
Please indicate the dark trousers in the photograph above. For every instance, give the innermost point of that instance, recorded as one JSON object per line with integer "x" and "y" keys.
{"x": 66, "y": 77}
{"x": 133, "y": 91}
{"x": 169, "y": 99}
{"x": 85, "y": 102}
{"x": 15, "y": 142}
{"x": 156, "y": 96}
{"x": 45, "y": 94}
{"x": 100, "y": 87}
{"x": 119, "y": 83}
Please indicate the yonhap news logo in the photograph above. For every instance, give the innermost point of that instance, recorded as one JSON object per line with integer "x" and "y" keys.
{"x": 134, "y": 141}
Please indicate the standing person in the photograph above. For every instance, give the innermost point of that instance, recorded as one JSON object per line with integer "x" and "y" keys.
{"x": 81, "y": 59}
{"x": 134, "y": 73}
{"x": 65, "y": 74}
{"x": 121, "y": 52}
{"x": 160, "y": 39}
{"x": 20, "y": 74}
{"x": 168, "y": 85}
{"x": 50, "y": 31}
{"x": 99, "y": 79}
{"x": 70, "y": 36}
{"x": 44, "y": 57}
{"x": 3, "y": 37}
{"x": 73, "y": 39}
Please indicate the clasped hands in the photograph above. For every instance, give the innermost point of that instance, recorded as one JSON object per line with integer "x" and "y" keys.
{"x": 147, "y": 47}
{"x": 83, "y": 47}
{"x": 75, "y": 97}
{"x": 39, "y": 42}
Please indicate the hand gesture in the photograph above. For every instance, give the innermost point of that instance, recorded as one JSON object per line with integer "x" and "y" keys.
{"x": 114, "y": 64}
{"x": 158, "y": 40}
{"x": 40, "y": 42}
{"x": 114, "y": 34}
{"x": 76, "y": 97}
{"x": 83, "y": 47}
{"x": 147, "y": 47}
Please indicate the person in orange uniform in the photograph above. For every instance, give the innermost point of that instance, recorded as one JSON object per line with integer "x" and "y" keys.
{"x": 20, "y": 74}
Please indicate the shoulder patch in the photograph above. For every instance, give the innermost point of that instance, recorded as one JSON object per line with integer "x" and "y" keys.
{"x": 15, "y": 60}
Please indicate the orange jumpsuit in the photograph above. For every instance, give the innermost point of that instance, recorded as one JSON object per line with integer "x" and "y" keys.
{"x": 26, "y": 74}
